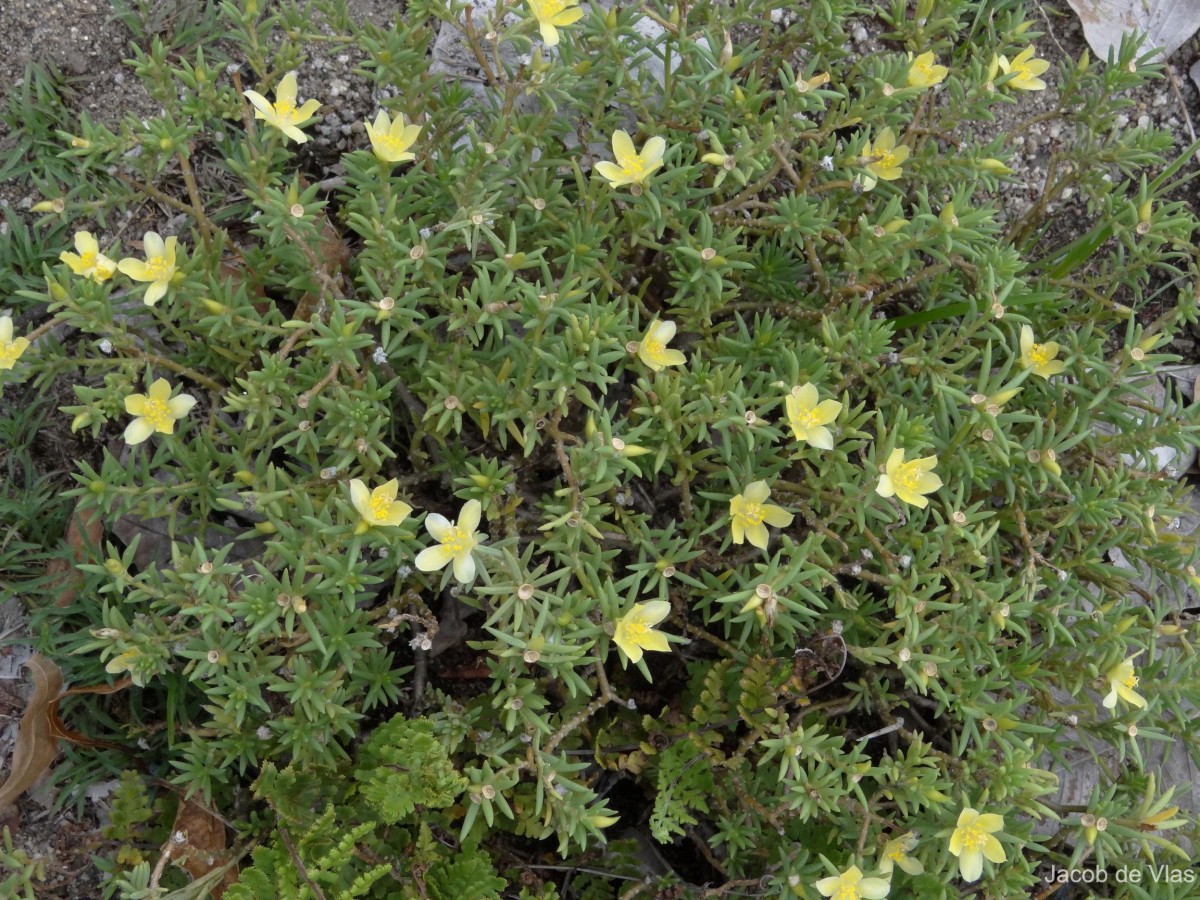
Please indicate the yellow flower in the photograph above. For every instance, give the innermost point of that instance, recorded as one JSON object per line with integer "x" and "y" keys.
{"x": 377, "y": 507}
{"x": 1122, "y": 681}
{"x": 808, "y": 418}
{"x": 925, "y": 72}
{"x": 554, "y": 14}
{"x": 158, "y": 269}
{"x": 652, "y": 349}
{"x": 89, "y": 261}
{"x": 10, "y": 348}
{"x": 909, "y": 480}
{"x": 749, "y": 510}
{"x": 885, "y": 159}
{"x": 1039, "y": 357}
{"x": 1026, "y": 70}
{"x": 895, "y": 853}
{"x": 157, "y": 412}
{"x": 851, "y": 885}
{"x": 635, "y": 630}
{"x": 632, "y": 167}
{"x": 455, "y": 540}
{"x": 972, "y": 840}
{"x": 391, "y": 140}
{"x": 283, "y": 113}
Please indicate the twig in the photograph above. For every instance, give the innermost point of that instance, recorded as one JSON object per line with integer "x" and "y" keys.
{"x": 287, "y": 842}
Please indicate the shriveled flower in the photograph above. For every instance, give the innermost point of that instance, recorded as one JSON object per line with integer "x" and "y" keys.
{"x": 10, "y": 348}
{"x": 896, "y": 853}
{"x": 1121, "y": 681}
{"x": 156, "y": 411}
{"x": 749, "y": 510}
{"x": 554, "y": 14}
{"x": 377, "y": 507}
{"x": 924, "y": 71}
{"x": 455, "y": 540}
{"x": 390, "y": 140}
{"x": 851, "y": 885}
{"x": 158, "y": 268}
{"x": 909, "y": 480}
{"x": 1040, "y": 357}
{"x": 88, "y": 261}
{"x": 283, "y": 114}
{"x": 632, "y": 167}
{"x": 884, "y": 160}
{"x": 1025, "y": 70}
{"x": 808, "y": 417}
{"x": 635, "y": 630}
{"x": 652, "y": 349}
{"x": 972, "y": 840}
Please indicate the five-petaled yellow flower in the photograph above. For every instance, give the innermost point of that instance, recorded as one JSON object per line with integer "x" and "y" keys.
{"x": 1026, "y": 70}
{"x": 455, "y": 540}
{"x": 1121, "y": 682}
{"x": 390, "y": 140}
{"x": 283, "y": 113}
{"x": 652, "y": 349}
{"x": 89, "y": 261}
{"x": 895, "y": 853}
{"x": 749, "y": 510}
{"x": 635, "y": 630}
{"x": 884, "y": 159}
{"x": 10, "y": 348}
{"x": 554, "y": 14}
{"x": 1040, "y": 357}
{"x": 158, "y": 411}
{"x": 909, "y": 480}
{"x": 377, "y": 507}
{"x": 808, "y": 418}
{"x": 632, "y": 167}
{"x": 972, "y": 840}
{"x": 925, "y": 72}
{"x": 851, "y": 885}
{"x": 158, "y": 269}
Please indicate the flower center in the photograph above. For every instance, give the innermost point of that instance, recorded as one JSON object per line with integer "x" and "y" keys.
{"x": 634, "y": 167}
{"x": 87, "y": 260}
{"x": 157, "y": 414}
{"x": 1038, "y": 354}
{"x": 1130, "y": 681}
{"x": 887, "y": 160}
{"x": 907, "y": 478}
{"x": 379, "y": 507}
{"x": 8, "y": 355}
{"x": 285, "y": 109}
{"x": 459, "y": 541}
{"x": 158, "y": 268}
{"x": 636, "y": 630}
{"x": 973, "y": 839}
{"x": 546, "y": 9}
{"x": 925, "y": 68}
{"x": 846, "y": 890}
{"x": 806, "y": 418}
{"x": 653, "y": 347}
{"x": 393, "y": 145}
{"x": 752, "y": 513}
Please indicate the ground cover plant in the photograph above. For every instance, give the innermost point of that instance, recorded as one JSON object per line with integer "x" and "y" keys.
{"x": 667, "y": 432}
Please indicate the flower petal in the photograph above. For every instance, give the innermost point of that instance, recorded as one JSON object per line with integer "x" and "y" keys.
{"x": 652, "y": 612}
{"x": 152, "y": 243}
{"x": 970, "y": 866}
{"x": 464, "y": 567}
{"x": 360, "y": 497}
{"x": 180, "y": 406}
{"x": 990, "y": 822}
{"x": 756, "y": 492}
{"x": 993, "y": 849}
{"x": 397, "y": 513}
{"x": 820, "y": 437}
{"x": 86, "y": 243}
{"x": 655, "y": 641}
{"x": 623, "y": 147}
{"x": 160, "y": 390}
{"x": 652, "y": 151}
{"x": 138, "y": 430}
{"x": 286, "y": 89}
{"x": 154, "y": 293}
{"x": 439, "y": 527}
{"x": 262, "y": 105}
{"x": 663, "y": 331}
{"x": 549, "y": 33}
{"x": 758, "y": 536}
{"x": 885, "y": 488}
{"x": 134, "y": 268}
{"x": 469, "y": 517}
{"x": 135, "y": 404}
{"x": 777, "y": 516}
{"x": 873, "y": 888}
{"x": 433, "y": 558}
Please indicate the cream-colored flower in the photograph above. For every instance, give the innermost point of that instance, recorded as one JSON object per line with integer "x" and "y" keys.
{"x": 10, "y": 348}
{"x": 390, "y": 140}
{"x": 1040, "y": 357}
{"x": 377, "y": 507}
{"x": 632, "y": 167}
{"x": 750, "y": 510}
{"x": 456, "y": 541}
{"x": 896, "y": 853}
{"x": 909, "y": 480}
{"x": 635, "y": 630}
{"x": 88, "y": 261}
{"x": 652, "y": 349}
{"x": 283, "y": 114}
{"x": 1121, "y": 681}
{"x": 972, "y": 840}
{"x": 156, "y": 411}
{"x": 158, "y": 268}
{"x": 808, "y": 417}
{"x": 883, "y": 160}
{"x": 851, "y": 885}
{"x": 554, "y": 14}
{"x": 1025, "y": 70}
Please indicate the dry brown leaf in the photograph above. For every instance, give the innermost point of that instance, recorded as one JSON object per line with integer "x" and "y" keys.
{"x": 41, "y": 728}
{"x": 36, "y": 746}
{"x": 84, "y": 530}
{"x": 1167, "y": 24}
{"x": 204, "y": 845}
